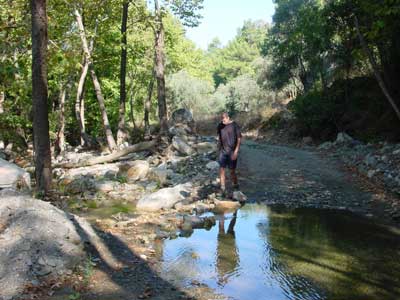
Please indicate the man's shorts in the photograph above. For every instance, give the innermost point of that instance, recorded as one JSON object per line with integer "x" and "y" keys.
{"x": 225, "y": 160}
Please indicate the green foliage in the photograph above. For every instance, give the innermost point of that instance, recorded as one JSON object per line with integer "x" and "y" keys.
{"x": 185, "y": 91}
{"x": 324, "y": 114}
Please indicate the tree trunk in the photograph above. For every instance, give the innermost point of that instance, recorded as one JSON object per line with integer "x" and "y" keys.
{"x": 39, "y": 96}
{"x": 60, "y": 146}
{"x": 147, "y": 107}
{"x": 375, "y": 68}
{"x": 159, "y": 65}
{"x": 111, "y": 157}
{"x": 2, "y": 98}
{"x": 121, "y": 134}
{"x": 131, "y": 104}
{"x": 79, "y": 107}
{"x": 106, "y": 124}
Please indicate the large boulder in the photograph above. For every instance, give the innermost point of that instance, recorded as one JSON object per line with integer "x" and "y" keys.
{"x": 137, "y": 171}
{"x": 181, "y": 130}
{"x": 205, "y": 147}
{"x": 37, "y": 242}
{"x": 181, "y": 146}
{"x": 182, "y": 116}
{"x": 12, "y": 176}
{"x": 164, "y": 198}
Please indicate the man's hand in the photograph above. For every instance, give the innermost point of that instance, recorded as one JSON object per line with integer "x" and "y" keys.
{"x": 234, "y": 155}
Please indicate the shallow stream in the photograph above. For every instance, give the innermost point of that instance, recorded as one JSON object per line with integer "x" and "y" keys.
{"x": 262, "y": 252}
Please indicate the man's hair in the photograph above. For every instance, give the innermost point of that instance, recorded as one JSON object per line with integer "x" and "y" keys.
{"x": 225, "y": 114}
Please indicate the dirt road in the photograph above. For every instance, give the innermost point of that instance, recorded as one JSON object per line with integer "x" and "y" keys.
{"x": 295, "y": 177}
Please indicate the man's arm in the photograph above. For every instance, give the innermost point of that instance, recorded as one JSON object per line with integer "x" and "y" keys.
{"x": 236, "y": 151}
{"x": 239, "y": 140}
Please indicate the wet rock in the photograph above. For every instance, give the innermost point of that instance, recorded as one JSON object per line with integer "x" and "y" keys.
{"x": 164, "y": 198}
{"x": 181, "y": 146}
{"x": 226, "y": 205}
{"x": 137, "y": 171}
{"x": 12, "y": 176}
{"x": 198, "y": 222}
{"x": 239, "y": 196}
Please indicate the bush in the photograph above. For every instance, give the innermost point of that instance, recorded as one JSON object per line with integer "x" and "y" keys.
{"x": 357, "y": 107}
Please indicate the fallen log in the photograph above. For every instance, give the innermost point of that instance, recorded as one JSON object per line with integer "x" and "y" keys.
{"x": 109, "y": 158}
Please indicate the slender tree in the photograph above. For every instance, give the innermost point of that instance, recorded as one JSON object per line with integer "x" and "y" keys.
{"x": 2, "y": 97}
{"x": 186, "y": 11}
{"x": 39, "y": 96}
{"x": 159, "y": 68}
{"x": 147, "y": 106}
{"x": 60, "y": 145}
{"x": 121, "y": 134}
{"x": 97, "y": 88}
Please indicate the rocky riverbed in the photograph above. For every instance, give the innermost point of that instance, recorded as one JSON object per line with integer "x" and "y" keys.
{"x": 135, "y": 202}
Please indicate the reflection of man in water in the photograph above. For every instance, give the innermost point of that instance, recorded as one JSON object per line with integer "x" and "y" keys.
{"x": 227, "y": 253}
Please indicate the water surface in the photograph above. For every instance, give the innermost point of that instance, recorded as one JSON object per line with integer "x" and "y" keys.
{"x": 263, "y": 252}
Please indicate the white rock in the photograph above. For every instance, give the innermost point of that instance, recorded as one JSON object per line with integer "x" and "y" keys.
{"x": 181, "y": 146}
{"x": 12, "y": 176}
{"x": 212, "y": 165}
{"x": 343, "y": 137}
{"x": 106, "y": 186}
{"x": 164, "y": 198}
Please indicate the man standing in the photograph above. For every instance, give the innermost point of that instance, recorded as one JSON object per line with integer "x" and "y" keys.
{"x": 229, "y": 143}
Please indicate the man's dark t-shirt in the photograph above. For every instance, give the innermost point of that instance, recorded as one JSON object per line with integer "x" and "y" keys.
{"x": 228, "y": 135}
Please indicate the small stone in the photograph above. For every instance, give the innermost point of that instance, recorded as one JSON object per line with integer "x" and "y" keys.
{"x": 212, "y": 165}
{"x": 144, "y": 257}
{"x": 371, "y": 173}
{"x": 239, "y": 196}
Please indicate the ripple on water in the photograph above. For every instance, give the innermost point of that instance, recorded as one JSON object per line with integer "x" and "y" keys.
{"x": 275, "y": 253}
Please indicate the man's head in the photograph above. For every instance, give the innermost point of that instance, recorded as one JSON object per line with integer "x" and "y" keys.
{"x": 225, "y": 118}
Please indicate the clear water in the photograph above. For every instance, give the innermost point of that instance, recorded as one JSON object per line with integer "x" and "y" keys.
{"x": 272, "y": 253}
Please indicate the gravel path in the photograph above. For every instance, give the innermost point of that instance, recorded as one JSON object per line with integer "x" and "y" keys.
{"x": 295, "y": 177}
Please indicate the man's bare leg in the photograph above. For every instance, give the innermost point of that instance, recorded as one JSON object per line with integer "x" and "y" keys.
{"x": 234, "y": 179}
{"x": 222, "y": 178}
